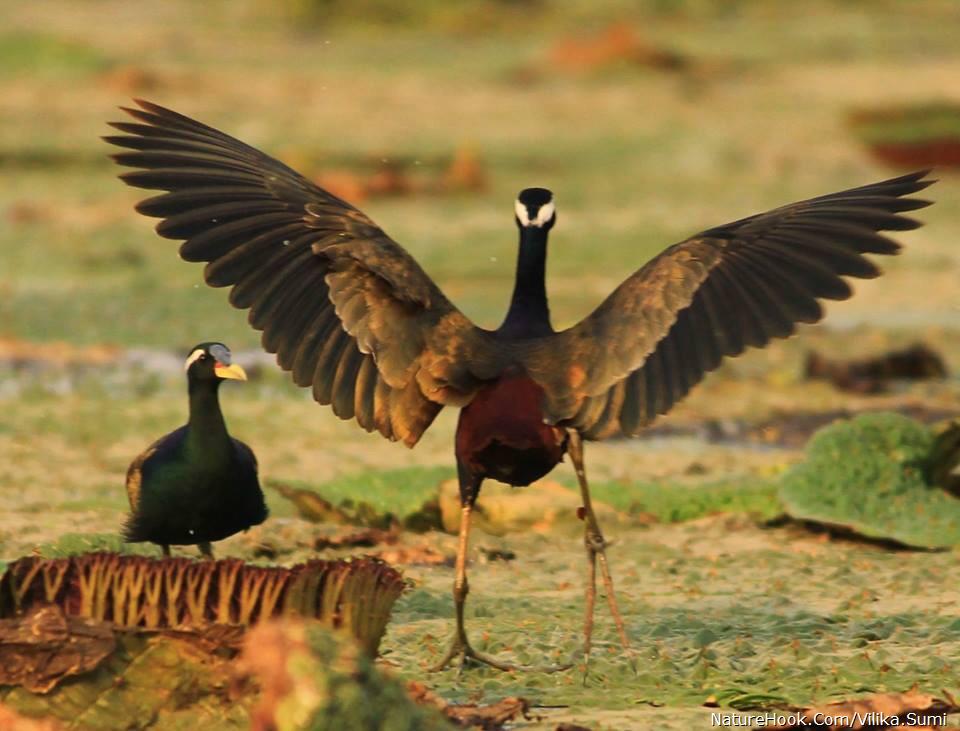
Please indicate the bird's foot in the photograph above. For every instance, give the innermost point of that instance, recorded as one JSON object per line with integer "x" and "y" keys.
{"x": 583, "y": 660}
{"x": 462, "y": 653}
{"x": 596, "y": 546}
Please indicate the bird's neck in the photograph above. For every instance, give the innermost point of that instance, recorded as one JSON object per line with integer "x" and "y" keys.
{"x": 206, "y": 429}
{"x": 529, "y": 314}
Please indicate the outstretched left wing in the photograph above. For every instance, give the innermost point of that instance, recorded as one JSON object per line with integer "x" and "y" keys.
{"x": 346, "y": 309}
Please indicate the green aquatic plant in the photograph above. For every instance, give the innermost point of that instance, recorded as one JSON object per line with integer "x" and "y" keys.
{"x": 873, "y": 475}
{"x": 313, "y": 681}
{"x": 675, "y": 503}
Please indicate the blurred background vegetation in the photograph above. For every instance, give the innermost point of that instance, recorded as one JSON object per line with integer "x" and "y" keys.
{"x": 650, "y": 119}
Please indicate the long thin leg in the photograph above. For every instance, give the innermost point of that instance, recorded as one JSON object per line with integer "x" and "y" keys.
{"x": 206, "y": 550}
{"x": 596, "y": 546}
{"x": 460, "y": 647}
{"x": 166, "y": 550}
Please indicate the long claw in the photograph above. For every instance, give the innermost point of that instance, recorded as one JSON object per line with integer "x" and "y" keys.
{"x": 461, "y": 648}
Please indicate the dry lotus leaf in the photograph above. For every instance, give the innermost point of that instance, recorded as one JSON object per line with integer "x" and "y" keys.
{"x": 150, "y": 680}
{"x": 158, "y": 594}
{"x": 39, "y": 649}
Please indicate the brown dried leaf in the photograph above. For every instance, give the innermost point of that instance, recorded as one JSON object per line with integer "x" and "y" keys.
{"x": 129, "y": 79}
{"x": 422, "y": 555}
{"x": 390, "y": 179}
{"x": 344, "y": 184}
{"x": 489, "y": 717}
{"x": 619, "y": 43}
{"x": 210, "y": 637}
{"x": 363, "y": 539}
{"x": 465, "y": 172}
{"x": 470, "y": 715}
{"x": 149, "y": 680}
{"x": 39, "y": 649}
{"x": 878, "y": 711}
{"x": 310, "y": 505}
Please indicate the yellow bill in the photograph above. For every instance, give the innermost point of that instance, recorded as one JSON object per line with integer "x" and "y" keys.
{"x": 232, "y": 371}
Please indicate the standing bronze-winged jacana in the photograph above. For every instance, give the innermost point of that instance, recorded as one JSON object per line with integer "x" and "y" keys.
{"x": 350, "y": 313}
{"x": 196, "y": 484}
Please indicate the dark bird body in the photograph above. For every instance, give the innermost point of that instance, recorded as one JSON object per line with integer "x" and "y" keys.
{"x": 501, "y": 433}
{"x": 353, "y": 316}
{"x": 196, "y": 484}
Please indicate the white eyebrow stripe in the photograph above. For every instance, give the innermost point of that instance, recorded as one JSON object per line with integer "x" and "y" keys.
{"x": 544, "y": 214}
{"x": 192, "y": 358}
{"x": 522, "y": 214}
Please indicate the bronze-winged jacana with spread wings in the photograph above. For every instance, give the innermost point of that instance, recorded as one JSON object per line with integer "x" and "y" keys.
{"x": 353, "y": 316}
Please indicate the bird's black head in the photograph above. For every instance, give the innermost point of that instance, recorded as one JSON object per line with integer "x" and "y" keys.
{"x": 535, "y": 209}
{"x": 211, "y": 362}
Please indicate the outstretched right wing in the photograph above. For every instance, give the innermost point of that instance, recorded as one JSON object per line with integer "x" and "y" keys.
{"x": 712, "y": 296}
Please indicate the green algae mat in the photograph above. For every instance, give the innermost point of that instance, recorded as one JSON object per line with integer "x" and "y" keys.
{"x": 875, "y": 475}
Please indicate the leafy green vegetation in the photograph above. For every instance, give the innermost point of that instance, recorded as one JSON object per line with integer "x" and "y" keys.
{"x": 377, "y": 498}
{"x": 872, "y": 474}
{"x": 353, "y": 693}
{"x": 40, "y": 53}
{"x": 74, "y": 544}
{"x": 674, "y": 503}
